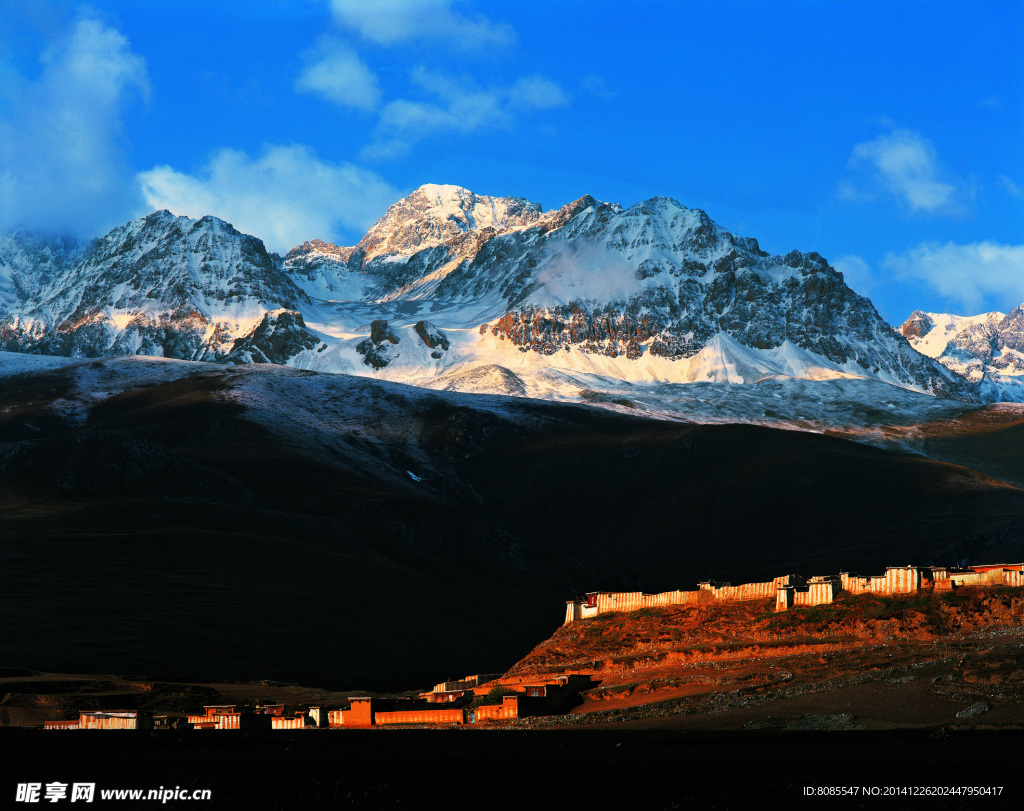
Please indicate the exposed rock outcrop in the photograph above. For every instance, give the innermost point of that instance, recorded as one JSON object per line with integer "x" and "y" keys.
{"x": 278, "y": 338}
{"x": 376, "y": 350}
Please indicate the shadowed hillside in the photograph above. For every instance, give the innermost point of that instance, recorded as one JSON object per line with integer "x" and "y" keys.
{"x": 261, "y": 522}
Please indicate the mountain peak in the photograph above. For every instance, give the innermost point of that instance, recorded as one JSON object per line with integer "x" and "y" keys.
{"x": 436, "y": 214}
{"x": 917, "y": 325}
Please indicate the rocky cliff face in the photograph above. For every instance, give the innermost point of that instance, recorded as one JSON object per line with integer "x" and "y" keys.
{"x": 986, "y": 349}
{"x": 279, "y": 336}
{"x": 29, "y": 263}
{"x": 662, "y": 279}
{"x": 442, "y": 215}
{"x": 159, "y": 285}
{"x": 433, "y": 228}
{"x": 657, "y": 281}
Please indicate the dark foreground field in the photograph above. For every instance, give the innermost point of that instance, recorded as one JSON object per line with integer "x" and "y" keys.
{"x": 515, "y": 769}
{"x": 240, "y": 523}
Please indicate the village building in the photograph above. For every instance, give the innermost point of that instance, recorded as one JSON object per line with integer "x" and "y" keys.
{"x": 459, "y": 691}
{"x": 114, "y": 719}
{"x": 520, "y": 701}
{"x": 459, "y": 702}
{"x": 791, "y": 591}
{"x": 261, "y": 716}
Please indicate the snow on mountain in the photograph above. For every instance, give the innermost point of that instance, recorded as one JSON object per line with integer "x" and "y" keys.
{"x": 593, "y": 281}
{"x": 987, "y": 349}
{"x": 415, "y": 243}
{"x": 451, "y": 288}
{"x": 320, "y": 270}
{"x": 678, "y": 280}
{"x": 440, "y": 215}
{"x": 30, "y": 262}
{"x": 159, "y": 285}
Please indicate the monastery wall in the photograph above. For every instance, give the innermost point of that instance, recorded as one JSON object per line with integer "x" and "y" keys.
{"x": 793, "y": 590}
{"x": 279, "y": 722}
{"x": 1013, "y": 578}
{"x": 237, "y": 720}
{"x": 606, "y": 601}
{"x": 748, "y": 591}
{"x": 815, "y": 594}
{"x": 88, "y": 720}
{"x": 987, "y": 577}
{"x": 420, "y": 717}
{"x": 361, "y": 714}
{"x": 896, "y": 580}
{"x": 634, "y": 600}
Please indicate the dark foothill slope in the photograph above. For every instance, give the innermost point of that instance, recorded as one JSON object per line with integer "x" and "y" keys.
{"x": 408, "y": 536}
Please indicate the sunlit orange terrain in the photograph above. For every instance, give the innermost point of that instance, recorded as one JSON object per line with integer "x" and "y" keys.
{"x": 863, "y": 662}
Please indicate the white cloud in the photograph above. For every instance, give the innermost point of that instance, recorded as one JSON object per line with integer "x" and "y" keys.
{"x": 285, "y": 196}
{"x": 1012, "y": 189}
{"x": 849, "y": 191}
{"x": 62, "y": 157}
{"x": 980, "y": 276}
{"x": 905, "y": 165}
{"x": 392, "y": 22}
{"x": 460, "y": 106}
{"x": 857, "y": 273}
{"x": 537, "y": 93}
{"x": 334, "y": 70}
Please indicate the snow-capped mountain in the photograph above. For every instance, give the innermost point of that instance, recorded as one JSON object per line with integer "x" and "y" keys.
{"x": 656, "y": 292}
{"x": 987, "y": 349}
{"x": 161, "y": 285}
{"x": 449, "y": 284}
{"x": 443, "y": 215}
{"x": 417, "y": 241}
{"x": 29, "y": 263}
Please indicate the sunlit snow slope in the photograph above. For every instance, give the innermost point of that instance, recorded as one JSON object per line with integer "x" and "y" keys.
{"x": 987, "y": 349}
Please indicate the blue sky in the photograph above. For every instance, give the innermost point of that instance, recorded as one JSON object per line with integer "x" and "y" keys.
{"x": 887, "y": 136}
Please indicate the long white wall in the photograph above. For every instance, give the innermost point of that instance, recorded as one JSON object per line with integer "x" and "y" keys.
{"x": 793, "y": 590}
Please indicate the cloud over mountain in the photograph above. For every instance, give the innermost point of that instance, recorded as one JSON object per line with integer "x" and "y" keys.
{"x": 905, "y": 165}
{"x": 286, "y": 194}
{"x": 335, "y": 71}
{"x": 968, "y": 275}
{"x": 63, "y": 160}
{"x": 456, "y": 105}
